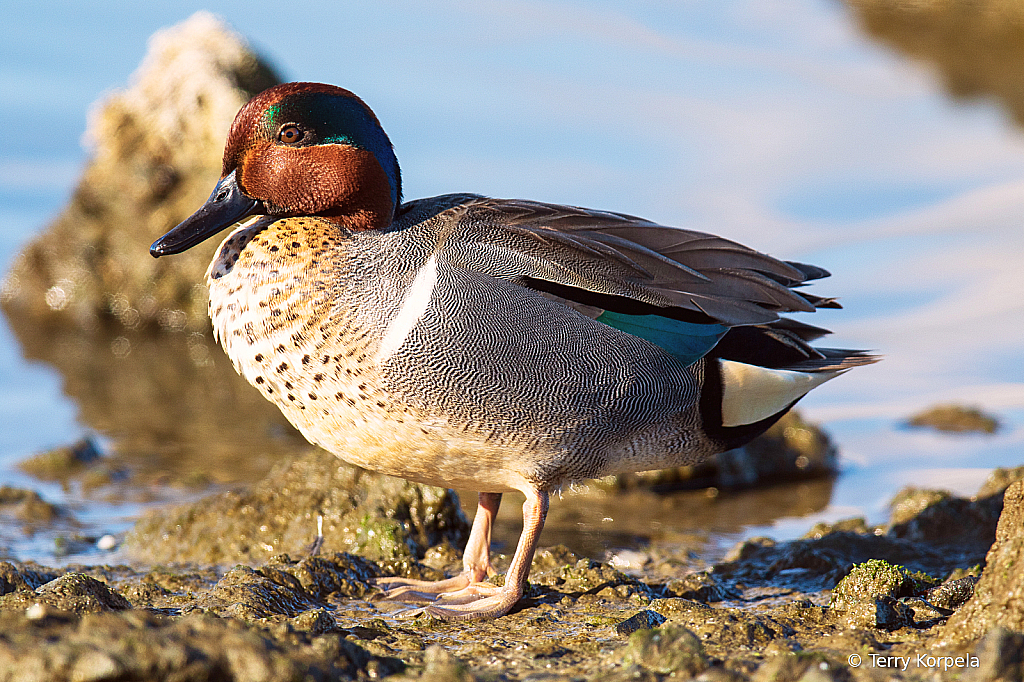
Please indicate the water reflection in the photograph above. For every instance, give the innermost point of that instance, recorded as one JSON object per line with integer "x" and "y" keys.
{"x": 172, "y": 404}
{"x": 595, "y": 524}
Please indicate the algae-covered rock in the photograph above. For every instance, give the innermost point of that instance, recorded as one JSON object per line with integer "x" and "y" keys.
{"x": 644, "y": 620}
{"x": 74, "y": 592}
{"x": 1000, "y": 656}
{"x": 998, "y": 599}
{"x": 807, "y": 667}
{"x": 156, "y": 154}
{"x": 27, "y": 507}
{"x": 790, "y": 450}
{"x": 937, "y": 517}
{"x": 592, "y": 577}
{"x": 62, "y": 463}
{"x": 672, "y": 649}
{"x": 875, "y": 579}
{"x": 955, "y": 419}
{"x": 442, "y": 666}
{"x": 25, "y": 578}
{"x": 364, "y": 513}
{"x": 283, "y": 587}
{"x": 137, "y": 645}
{"x": 953, "y": 593}
{"x": 701, "y": 586}
{"x": 999, "y": 480}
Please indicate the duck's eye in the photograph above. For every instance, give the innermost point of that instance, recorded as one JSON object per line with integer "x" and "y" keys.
{"x": 290, "y": 134}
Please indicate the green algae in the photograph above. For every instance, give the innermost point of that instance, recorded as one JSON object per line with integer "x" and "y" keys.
{"x": 878, "y": 578}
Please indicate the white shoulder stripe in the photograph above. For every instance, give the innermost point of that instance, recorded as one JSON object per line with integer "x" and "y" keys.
{"x": 751, "y": 393}
{"x": 414, "y": 304}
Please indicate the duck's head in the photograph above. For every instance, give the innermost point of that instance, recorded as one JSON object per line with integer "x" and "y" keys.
{"x": 299, "y": 149}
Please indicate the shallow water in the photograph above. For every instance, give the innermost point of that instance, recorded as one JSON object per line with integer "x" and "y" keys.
{"x": 788, "y": 128}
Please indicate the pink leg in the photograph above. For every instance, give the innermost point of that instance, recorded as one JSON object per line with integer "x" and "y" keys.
{"x": 476, "y": 560}
{"x": 482, "y": 600}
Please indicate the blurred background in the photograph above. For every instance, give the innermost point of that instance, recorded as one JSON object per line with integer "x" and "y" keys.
{"x": 880, "y": 140}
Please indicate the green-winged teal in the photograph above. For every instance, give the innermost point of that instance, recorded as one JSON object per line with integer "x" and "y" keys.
{"x": 485, "y": 344}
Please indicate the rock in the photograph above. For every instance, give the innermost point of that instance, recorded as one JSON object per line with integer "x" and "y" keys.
{"x": 998, "y": 599}
{"x": 283, "y": 587}
{"x": 952, "y": 594}
{"x": 62, "y": 463}
{"x": 376, "y": 516}
{"x": 999, "y": 480}
{"x": 701, "y": 586}
{"x": 73, "y": 592}
{"x": 156, "y": 154}
{"x": 955, "y": 419}
{"x": 939, "y": 518}
{"x": 786, "y": 666}
{"x": 645, "y": 620}
{"x": 790, "y": 450}
{"x": 25, "y": 579}
{"x": 1000, "y": 657}
{"x": 884, "y": 613}
{"x": 27, "y": 507}
{"x": 668, "y": 650}
{"x": 722, "y": 629}
{"x": 594, "y": 578}
{"x": 442, "y": 666}
{"x": 136, "y": 645}
{"x": 976, "y": 47}
{"x": 931, "y": 532}
{"x": 874, "y": 580}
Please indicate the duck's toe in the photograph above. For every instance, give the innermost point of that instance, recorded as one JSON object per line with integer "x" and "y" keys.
{"x": 419, "y": 591}
{"x": 457, "y": 598}
{"x": 476, "y": 601}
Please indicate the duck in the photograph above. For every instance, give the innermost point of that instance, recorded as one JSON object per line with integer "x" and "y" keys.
{"x": 483, "y": 344}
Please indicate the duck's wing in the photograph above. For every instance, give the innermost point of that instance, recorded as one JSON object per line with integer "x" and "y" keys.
{"x": 627, "y": 265}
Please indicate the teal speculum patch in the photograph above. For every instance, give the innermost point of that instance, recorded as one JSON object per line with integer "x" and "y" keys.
{"x": 686, "y": 341}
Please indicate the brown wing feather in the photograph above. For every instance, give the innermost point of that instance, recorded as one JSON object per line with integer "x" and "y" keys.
{"x": 566, "y": 249}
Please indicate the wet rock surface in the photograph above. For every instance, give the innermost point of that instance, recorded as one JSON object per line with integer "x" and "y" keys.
{"x": 130, "y": 338}
{"x": 998, "y": 597}
{"x": 377, "y": 516}
{"x": 770, "y": 611}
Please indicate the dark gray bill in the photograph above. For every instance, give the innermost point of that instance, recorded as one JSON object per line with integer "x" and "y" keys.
{"x": 225, "y": 207}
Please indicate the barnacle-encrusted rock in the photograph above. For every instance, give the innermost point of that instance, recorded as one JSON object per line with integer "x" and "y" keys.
{"x": 156, "y": 152}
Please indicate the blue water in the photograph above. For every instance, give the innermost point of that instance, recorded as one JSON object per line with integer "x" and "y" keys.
{"x": 780, "y": 126}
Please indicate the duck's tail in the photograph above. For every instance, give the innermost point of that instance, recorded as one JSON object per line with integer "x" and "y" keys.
{"x": 757, "y": 373}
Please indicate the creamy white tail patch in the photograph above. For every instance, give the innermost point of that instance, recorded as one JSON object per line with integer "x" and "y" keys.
{"x": 751, "y": 393}
{"x": 414, "y": 304}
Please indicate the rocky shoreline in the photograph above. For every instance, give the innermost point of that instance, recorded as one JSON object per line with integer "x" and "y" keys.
{"x": 804, "y": 609}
